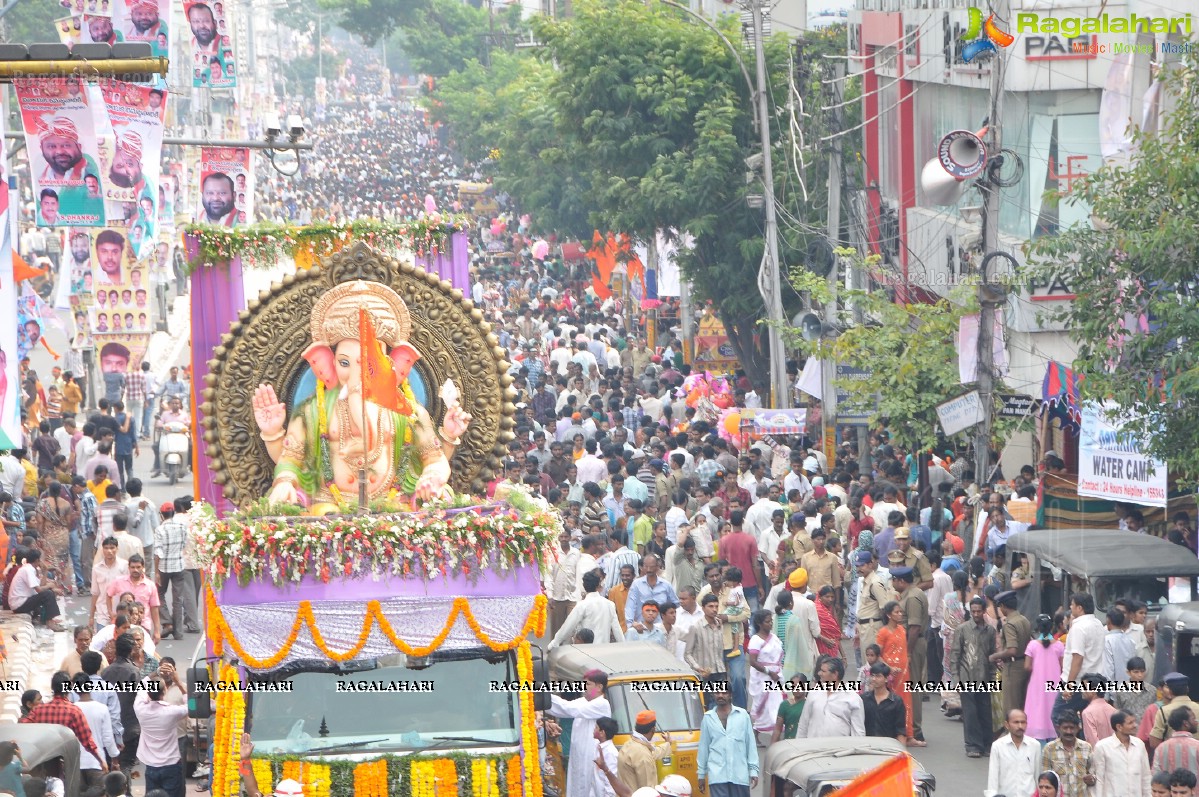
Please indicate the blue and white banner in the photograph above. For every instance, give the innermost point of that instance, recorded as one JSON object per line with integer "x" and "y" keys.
{"x": 1111, "y": 465}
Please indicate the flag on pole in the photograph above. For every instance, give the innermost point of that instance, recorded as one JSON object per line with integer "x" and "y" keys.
{"x": 379, "y": 382}
{"x": 892, "y": 779}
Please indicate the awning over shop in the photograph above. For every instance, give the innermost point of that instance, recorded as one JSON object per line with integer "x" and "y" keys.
{"x": 780, "y": 422}
{"x": 1060, "y": 392}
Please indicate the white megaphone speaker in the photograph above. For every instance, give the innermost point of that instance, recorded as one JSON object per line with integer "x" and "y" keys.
{"x": 961, "y": 155}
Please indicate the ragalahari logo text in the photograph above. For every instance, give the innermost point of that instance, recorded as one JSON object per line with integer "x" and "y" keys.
{"x": 982, "y": 36}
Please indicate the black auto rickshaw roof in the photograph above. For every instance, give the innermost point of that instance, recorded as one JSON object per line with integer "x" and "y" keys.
{"x": 1091, "y": 553}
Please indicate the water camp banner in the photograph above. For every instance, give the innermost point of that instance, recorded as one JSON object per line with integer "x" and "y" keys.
{"x": 1111, "y": 465}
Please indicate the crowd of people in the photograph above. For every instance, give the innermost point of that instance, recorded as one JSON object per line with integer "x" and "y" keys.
{"x": 809, "y": 595}
{"x": 79, "y": 524}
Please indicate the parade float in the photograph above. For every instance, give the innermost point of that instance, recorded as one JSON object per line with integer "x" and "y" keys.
{"x": 368, "y": 615}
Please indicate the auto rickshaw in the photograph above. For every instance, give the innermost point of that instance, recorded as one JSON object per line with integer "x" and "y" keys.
{"x": 818, "y": 767}
{"x": 1106, "y": 563}
{"x": 49, "y": 751}
{"x": 1176, "y": 648}
{"x": 635, "y": 671}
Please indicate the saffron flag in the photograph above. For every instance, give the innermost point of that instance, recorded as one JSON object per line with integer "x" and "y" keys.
{"x": 603, "y": 253}
{"x": 379, "y": 382}
{"x": 892, "y": 779}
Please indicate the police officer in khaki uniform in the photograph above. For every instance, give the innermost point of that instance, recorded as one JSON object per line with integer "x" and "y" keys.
{"x": 1014, "y": 636}
{"x": 913, "y": 558}
{"x": 873, "y": 595}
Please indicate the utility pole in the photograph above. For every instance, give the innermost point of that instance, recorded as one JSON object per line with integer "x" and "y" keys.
{"x": 768, "y": 275}
{"x": 829, "y": 364}
{"x": 990, "y": 234}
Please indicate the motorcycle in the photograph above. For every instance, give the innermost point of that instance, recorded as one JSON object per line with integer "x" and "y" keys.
{"x": 172, "y": 447}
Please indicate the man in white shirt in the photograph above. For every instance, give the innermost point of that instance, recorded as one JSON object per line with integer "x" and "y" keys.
{"x": 158, "y": 745}
{"x": 592, "y": 547}
{"x": 1015, "y": 760}
{"x": 109, "y": 569}
{"x": 796, "y": 480}
{"x": 563, "y": 579}
{"x": 689, "y": 613}
{"x": 85, "y": 449}
{"x": 99, "y": 720}
{"x": 1084, "y": 641}
{"x": 676, "y": 516}
{"x": 758, "y": 516}
{"x": 832, "y": 711}
{"x": 595, "y": 612}
{"x": 591, "y": 468}
{"x": 560, "y": 358}
{"x": 885, "y": 507}
{"x": 1121, "y": 762}
{"x": 12, "y": 475}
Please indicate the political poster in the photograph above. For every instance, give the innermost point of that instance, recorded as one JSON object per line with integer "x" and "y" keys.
{"x": 121, "y": 286}
{"x": 98, "y": 29}
{"x": 226, "y": 187}
{"x": 70, "y": 29}
{"x": 10, "y": 385}
{"x": 60, "y": 136}
{"x": 1110, "y": 462}
{"x": 213, "y": 62}
{"x": 77, "y": 268}
{"x": 75, "y": 7}
{"x": 167, "y": 189}
{"x": 143, "y": 21}
{"x": 133, "y": 167}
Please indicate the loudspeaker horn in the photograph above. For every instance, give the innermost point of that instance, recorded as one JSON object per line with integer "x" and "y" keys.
{"x": 962, "y": 153}
{"x": 940, "y": 187}
{"x": 811, "y": 327}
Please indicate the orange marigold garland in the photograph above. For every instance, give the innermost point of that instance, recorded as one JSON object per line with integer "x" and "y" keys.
{"x": 528, "y": 721}
{"x": 370, "y": 779}
{"x": 231, "y": 714}
{"x": 512, "y": 776}
{"x": 219, "y": 632}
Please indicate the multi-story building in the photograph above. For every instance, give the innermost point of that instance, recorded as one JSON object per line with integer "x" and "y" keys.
{"x": 1068, "y": 95}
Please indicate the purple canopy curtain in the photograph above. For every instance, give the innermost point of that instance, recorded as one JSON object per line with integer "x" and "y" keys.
{"x": 217, "y": 298}
{"x": 453, "y": 266}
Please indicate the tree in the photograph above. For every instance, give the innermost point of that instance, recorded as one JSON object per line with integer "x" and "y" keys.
{"x": 439, "y": 36}
{"x": 32, "y": 22}
{"x": 1136, "y": 318}
{"x": 911, "y": 349}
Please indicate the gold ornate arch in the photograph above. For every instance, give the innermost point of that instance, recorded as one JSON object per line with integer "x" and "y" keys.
{"x": 264, "y": 346}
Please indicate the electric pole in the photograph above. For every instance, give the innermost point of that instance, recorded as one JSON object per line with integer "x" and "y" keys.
{"x": 829, "y": 364}
{"x": 990, "y": 235}
{"x": 768, "y": 275}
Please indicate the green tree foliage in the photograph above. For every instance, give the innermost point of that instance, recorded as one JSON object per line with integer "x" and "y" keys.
{"x": 911, "y": 348}
{"x": 32, "y": 22}
{"x": 438, "y": 36}
{"x": 1136, "y": 319}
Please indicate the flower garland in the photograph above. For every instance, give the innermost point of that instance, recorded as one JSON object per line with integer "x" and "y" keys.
{"x": 512, "y": 776}
{"x": 398, "y": 775}
{"x": 219, "y": 632}
{"x": 231, "y": 717}
{"x": 528, "y": 724}
{"x": 484, "y": 778}
{"x": 370, "y": 779}
{"x": 429, "y": 543}
{"x": 263, "y": 245}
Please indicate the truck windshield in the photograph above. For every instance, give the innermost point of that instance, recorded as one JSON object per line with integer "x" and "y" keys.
{"x": 676, "y": 711}
{"x": 446, "y": 699}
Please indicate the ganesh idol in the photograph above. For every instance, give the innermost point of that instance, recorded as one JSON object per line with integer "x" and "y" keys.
{"x": 321, "y": 452}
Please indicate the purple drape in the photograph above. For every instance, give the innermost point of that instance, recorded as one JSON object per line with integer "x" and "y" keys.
{"x": 453, "y": 265}
{"x": 217, "y": 298}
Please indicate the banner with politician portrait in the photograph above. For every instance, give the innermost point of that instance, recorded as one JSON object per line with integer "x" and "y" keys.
{"x": 143, "y": 21}
{"x": 120, "y": 286}
{"x": 60, "y": 136}
{"x": 77, "y": 268}
{"x": 213, "y": 63}
{"x": 133, "y": 172}
{"x": 10, "y": 384}
{"x": 69, "y": 29}
{"x": 226, "y": 187}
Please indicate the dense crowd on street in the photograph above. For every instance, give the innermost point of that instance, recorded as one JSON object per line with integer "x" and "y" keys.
{"x": 810, "y": 594}
{"x": 78, "y": 524}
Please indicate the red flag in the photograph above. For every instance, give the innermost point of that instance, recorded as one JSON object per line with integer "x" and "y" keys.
{"x": 892, "y": 779}
{"x": 378, "y": 376}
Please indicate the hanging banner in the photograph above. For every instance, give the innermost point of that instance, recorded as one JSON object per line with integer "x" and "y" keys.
{"x": 121, "y": 286}
{"x": 10, "y": 385}
{"x": 226, "y": 187}
{"x": 134, "y": 166}
{"x": 60, "y": 137}
{"x": 1111, "y": 465}
{"x": 144, "y": 21}
{"x": 213, "y": 64}
{"x": 77, "y": 266}
{"x": 98, "y": 29}
{"x": 167, "y": 189}
{"x": 70, "y": 29}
